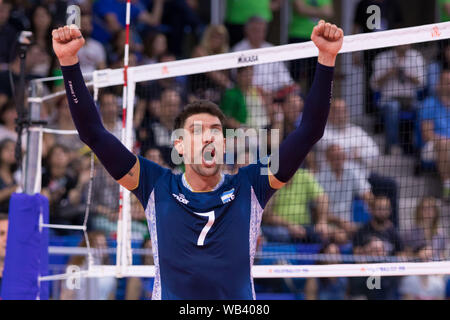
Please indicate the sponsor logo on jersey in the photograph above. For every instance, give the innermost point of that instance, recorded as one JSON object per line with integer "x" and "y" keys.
{"x": 227, "y": 196}
{"x": 180, "y": 197}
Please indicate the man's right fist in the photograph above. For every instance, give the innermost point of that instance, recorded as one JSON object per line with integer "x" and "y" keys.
{"x": 67, "y": 41}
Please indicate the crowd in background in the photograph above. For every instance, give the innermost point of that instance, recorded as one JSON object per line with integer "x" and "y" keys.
{"x": 339, "y": 196}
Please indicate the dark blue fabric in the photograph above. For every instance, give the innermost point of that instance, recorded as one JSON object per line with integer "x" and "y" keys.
{"x": 295, "y": 148}
{"x": 26, "y": 249}
{"x": 114, "y": 156}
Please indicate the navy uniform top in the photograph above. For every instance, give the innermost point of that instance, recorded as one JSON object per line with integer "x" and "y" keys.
{"x": 203, "y": 242}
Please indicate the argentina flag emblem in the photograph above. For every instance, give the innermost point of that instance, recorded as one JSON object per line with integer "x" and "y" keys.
{"x": 227, "y": 196}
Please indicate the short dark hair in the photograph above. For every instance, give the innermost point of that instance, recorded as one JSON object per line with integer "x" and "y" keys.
{"x": 196, "y": 107}
{"x": 3, "y": 216}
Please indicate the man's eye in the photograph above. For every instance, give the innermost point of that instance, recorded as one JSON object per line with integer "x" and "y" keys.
{"x": 198, "y": 130}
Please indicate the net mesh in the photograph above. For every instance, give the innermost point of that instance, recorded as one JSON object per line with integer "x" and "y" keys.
{"x": 373, "y": 190}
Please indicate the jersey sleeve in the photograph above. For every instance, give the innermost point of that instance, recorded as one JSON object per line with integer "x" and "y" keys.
{"x": 149, "y": 174}
{"x": 259, "y": 180}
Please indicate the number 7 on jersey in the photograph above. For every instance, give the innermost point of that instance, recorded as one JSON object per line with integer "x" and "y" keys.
{"x": 207, "y": 227}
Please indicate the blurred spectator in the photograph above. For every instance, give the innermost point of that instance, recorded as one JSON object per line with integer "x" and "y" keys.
{"x": 384, "y": 288}
{"x": 157, "y": 132}
{"x": 435, "y": 120}
{"x": 110, "y": 15}
{"x": 150, "y": 91}
{"x": 8, "y": 116}
{"x": 426, "y": 287}
{"x": 141, "y": 288}
{"x": 63, "y": 121}
{"x": 361, "y": 150}
{"x": 211, "y": 85}
{"x": 41, "y": 26}
{"x": 92, "y": 55}
{"x": 426, "y": 229}
{"x": 154, "y": 154}
{"x": 3, "y": 237}
{"x": 342, "y": 184}
{"x": 115, "y": 50}
{"x": 380, "y": 226}
{"x": 155, "y": 44}
{"x": 243, "y": 105}
{"x": 327, "y": 288}
{"x": 57, "y": 9}
{"x": 62, "y": 188}
{"x": 273, "y": 78}
{"x": 304, "y": 17}
{"x": 444, "y": 10}
{"x": 238, "y": 13}
{"x": 8, "y": 179}
{"x": 292, "y": 108}
{"x": 434, "y": 70}
{"x": 299, "y": 212}
{"x": 101, "y": 288}
{"x": 8, "y": 34}
{"x": 390, "y": 18}
{"x": 398, "y": 76}
{"x": 19, "y": 14}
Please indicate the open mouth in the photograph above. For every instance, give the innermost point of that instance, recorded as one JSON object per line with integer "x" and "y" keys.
{"x": 209, "y": 156}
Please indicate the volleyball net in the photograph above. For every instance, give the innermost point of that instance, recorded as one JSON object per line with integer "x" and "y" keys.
{"x": 368, "y": 200}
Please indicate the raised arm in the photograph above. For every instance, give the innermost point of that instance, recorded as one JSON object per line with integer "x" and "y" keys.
{"x": 121, "y": 164}
{"x": 328, "y": 39}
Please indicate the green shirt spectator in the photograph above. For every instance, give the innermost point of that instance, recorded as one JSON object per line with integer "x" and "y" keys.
{"x": 292, "y": 201}
{"x": 233, "y": 105}
{"x": 238, "y": 11}
{"x": 444, "y": 10}
{"x": 306, "y": 14}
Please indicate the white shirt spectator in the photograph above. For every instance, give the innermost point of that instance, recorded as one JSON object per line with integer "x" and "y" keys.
{"x": 362, "y": 151}
{"x": 91, "y": 55}
{"x": 430, "y": 287}
{"x": 412, "y": 64}
{"x": 268, "y": 76}
{"x": 342, "y": 191}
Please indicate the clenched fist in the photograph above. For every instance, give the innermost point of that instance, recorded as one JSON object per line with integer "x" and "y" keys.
{"x": 328, "y": 38}
{"x": 67, "y": 41}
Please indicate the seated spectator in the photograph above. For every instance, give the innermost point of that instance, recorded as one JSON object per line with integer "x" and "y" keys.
{"x": 292, "y": 109}
{"x": 115, "y": 50}
{"x": 435, "y": 125}
{"x": 342, "y": 184}
{"x": 272, "y": 78}
{"x": 109, "y": 17}
{"x": 63, "y": 121}
{"x": 361, "y": 150}
{"x": 398, "y": 75}
{"x": 426, "y": 229}
{"x": 238, "y": 13}
{"x": 154, "y": 154}
{"x": 92, "y": 55}
{"x": 425, "y": 287}
{"x": 243, "y": 105}
{"x": 8, "y": 116}
{"x": 384, "y": 288}
{"x": 102, "y": 288}
{"x": 289, "y": 211}
{"x": 41, "y": 26}
{"x": 150, "y": 91}
{"x": 3, "y": 237}
{"x": 304, "y": 17}
{"x": 141, "y": 288}
{"x": 155, "y": 44}
{"x": 157, "y": 132}
{"x": 434, "y": 69}
{"x": 8, "y": 34}
{"x": 211, "y": 85}
{"x": 381, "y": 227}
{"x": 8, "y": 178}
{"x": 62, "y": 188}
{"x": 327, "y": 288}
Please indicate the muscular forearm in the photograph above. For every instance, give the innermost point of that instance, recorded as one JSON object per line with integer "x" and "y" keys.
{"x": 294, "y": 149}
{"x": 114, "y": 156}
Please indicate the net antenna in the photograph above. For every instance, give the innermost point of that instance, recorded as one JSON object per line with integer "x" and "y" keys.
{"x": 129, "y": 76}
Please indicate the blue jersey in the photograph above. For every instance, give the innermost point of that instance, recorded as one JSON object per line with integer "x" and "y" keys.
{"x": 203, "y": 242}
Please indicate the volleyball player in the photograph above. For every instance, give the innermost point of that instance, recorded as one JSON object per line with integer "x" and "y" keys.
{"x": 203, "y": 224}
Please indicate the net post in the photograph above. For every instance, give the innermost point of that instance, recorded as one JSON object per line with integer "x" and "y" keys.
{"x": 33, "y": 155}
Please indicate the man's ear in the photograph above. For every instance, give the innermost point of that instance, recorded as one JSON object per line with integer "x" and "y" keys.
{"x": 179, "y": 146}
